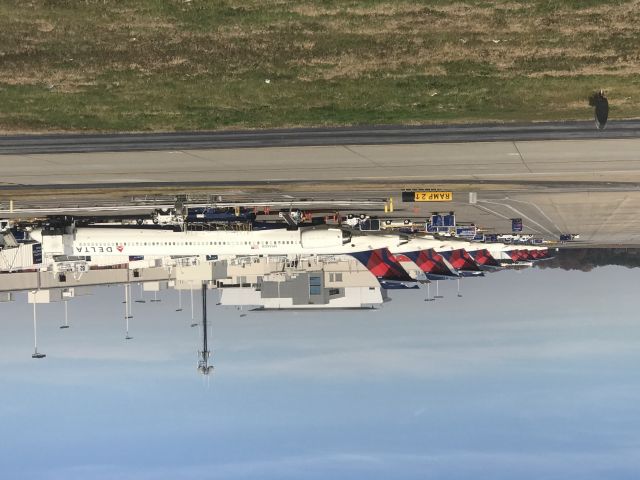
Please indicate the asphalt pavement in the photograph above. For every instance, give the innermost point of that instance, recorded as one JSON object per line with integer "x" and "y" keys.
{"x": 366, "y": 135}
{"x": 591, "y": 160}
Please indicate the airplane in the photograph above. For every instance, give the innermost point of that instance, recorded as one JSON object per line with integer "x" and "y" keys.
{"x": 88, "y": 241}
{"x": 100, "y": 242}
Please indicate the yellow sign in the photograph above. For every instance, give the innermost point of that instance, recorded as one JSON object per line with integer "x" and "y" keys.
{"x": 433, "y": 196}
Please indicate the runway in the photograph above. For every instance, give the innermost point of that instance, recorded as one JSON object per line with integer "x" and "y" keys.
{"x": 564, "y": 160}
{"x": 372, "y": 135}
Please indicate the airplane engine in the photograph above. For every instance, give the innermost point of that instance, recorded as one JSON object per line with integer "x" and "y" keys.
{"x": 332, "y": 237}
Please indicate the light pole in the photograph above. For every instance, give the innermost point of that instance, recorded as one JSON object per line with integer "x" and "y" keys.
{"x": 126, "y": 312}
{"x": 437, "y": 295}
{"x": 203, "y": 361}
{"x": 193, "y": 320}
{"x": 35, "y": 334}
{"x": 179, "y": 309}
{"x": 66, "y": 316}
{"x": 130, "y": 300}
{"x": 141, "y": 299}
{"x": 428, "y": 297}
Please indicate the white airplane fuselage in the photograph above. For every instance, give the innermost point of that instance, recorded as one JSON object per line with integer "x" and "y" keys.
{"x": 149, "y": 242}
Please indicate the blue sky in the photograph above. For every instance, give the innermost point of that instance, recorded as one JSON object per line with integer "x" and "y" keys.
{"x": 531, "y": 374}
